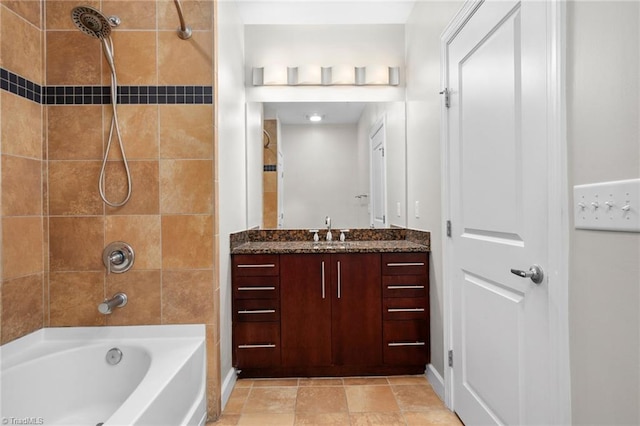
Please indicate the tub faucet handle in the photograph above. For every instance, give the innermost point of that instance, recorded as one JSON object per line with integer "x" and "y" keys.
{"x": 117, "y": 301}
{"x": 118, "y": 257}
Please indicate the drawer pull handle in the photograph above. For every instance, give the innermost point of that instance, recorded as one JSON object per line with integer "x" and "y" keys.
{"x": 405, "y": 287}
{"x": 397, "y": 344}
{"x": 405, "y": 310}
{"x": 406, "y": 264}
{"x": 255, "y": 288}
{"x": 258, "y": 311}
{"x": 267, "y": 345}
{"x": 264, "y": 265}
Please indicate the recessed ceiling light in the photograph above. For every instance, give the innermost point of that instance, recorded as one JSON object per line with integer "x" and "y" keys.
{"x": 314, "y": 117}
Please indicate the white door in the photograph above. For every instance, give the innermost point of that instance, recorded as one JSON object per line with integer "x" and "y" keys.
{"x": 498, "y": 204}
{"x": 378, "y": 177}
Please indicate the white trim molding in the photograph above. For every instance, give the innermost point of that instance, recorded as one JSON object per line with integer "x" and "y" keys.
{"x": 227, "y": 387}
{"x": 435, "y": 380}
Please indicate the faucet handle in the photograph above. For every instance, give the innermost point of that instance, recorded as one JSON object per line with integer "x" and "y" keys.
{"x": 315, "y": 234}
{"x": 342, "y": 236}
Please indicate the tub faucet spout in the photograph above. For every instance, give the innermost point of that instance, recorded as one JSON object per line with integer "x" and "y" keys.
{"x": 117, "y": 301}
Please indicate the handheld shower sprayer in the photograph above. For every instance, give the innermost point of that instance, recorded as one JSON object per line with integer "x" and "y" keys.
{"x": 94, "y": 24}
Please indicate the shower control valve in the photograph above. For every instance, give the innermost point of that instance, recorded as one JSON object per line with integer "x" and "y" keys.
{"x": 118, "y": 257}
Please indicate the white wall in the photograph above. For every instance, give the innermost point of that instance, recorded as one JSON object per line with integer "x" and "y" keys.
{"x": 603, "y": 112}
{"x": 231, "y": 164}
{"x": 320, "y": 177}
{"x": 394, "y": 114}
{"x": 323, "y": 45}
{"x": 254, "y": 166}
{"x": 427, "y": 21}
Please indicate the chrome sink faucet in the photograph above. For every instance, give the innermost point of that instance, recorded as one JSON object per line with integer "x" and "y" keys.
{"x": 327, "y": 221}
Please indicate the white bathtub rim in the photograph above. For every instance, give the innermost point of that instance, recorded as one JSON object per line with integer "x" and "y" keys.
{"x": 50, "y": 342}
{"x": 53, "y": 340}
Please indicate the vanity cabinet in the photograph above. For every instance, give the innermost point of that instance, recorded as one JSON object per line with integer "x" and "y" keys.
{"x": 323, "y": 314}
{"x": 405, "y": 308}
{"x": 256, "y": 310}
{"x": 331, "y": 309}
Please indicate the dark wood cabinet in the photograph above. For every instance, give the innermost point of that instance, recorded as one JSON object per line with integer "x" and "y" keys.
{"x": 337, "y": 314}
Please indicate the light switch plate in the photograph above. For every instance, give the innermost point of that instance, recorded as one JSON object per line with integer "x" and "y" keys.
{"x": 608, "y": 206}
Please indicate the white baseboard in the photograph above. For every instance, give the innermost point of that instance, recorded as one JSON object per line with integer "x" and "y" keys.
{"x": 227, "y": 386}
{"x": 436, "y": 380}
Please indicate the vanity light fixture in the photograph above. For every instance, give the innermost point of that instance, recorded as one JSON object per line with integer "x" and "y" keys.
{"x": 314, "y": 75}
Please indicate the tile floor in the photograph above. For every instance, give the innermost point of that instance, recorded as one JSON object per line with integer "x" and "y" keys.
{"x": 356, "y": 401}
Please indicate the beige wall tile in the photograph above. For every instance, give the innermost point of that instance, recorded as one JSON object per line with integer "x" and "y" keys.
{"x": 186, "y": 131}
{"x": 22, "y": 306}
{"x": 269, "y": 181}
{"x": 135, "y": 15}
{"x": 142, "y": 233}
{"x": 21, "y": 186}
{"x": 76, "y": 61}
{"x": 73, "y": 188}
{"x": 74, "y": 132}
{"x": 197, "y": 14}
{"x": 21, "y": 126}
{"x": 187, "y": 297}
{"x": 76, "y": 243}
{"x": 139, "y": 130}
{"x": 186, "y": 186}
{"x": 21, "y": 246}
{"x": 174, "y": 52}
{"x": 74, "y": 298}
{"x": 58, "y": 13}
{"x": 187, "y": 242}
{"x": 135, "y": 58}
{"x": 145, "y": 197}
{"x": 143, "y": 297}
{"x": 23, "y": 57}
{"x": 27, "y": 9}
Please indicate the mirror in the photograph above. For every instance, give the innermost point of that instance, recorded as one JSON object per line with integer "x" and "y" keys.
{"x": 350, "y": 166}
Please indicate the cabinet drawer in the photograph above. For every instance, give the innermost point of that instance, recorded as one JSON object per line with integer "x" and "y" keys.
{"x": 256, "y": 344}
{"x": 256, "y": 287}
{"x": 405, "y": 342}
{"x": 404, "y": 308}
{"x": 256, "y": 310}
{"x": 405, "y": 264}
{"x": 246, "y": 265}
{"x": 404, "y": 286}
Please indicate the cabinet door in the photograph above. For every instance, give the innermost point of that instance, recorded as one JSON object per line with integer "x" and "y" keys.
{"x": 305, "y": 292}
{"x": 356, "y": 309}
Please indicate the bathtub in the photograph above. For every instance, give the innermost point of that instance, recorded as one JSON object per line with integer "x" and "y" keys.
{"x": 61, "y": 376}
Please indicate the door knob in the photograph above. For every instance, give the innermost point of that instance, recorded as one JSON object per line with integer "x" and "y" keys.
{"x": 535, "y": 273}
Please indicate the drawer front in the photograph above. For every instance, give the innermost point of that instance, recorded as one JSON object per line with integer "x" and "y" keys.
{"x": 256, "y": 344}
{"x": 247, "y": 265}
{"x": 256, "y": 287}
{"x": 405, "y": 264}
{"x": 247, "y": 310}
{"x": 399, "y": 308}
{"x": 405, "y": 342}
{"x": 405, "y": 286}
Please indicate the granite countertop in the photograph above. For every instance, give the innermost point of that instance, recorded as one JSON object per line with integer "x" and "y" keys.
{"x": 358, "y": 241}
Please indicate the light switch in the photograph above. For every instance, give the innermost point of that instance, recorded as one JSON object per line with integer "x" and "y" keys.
{"x": 611, "y": 206}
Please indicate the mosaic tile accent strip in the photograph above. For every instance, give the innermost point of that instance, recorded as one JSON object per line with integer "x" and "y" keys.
{"x": 20, "y": 86}
{"x": 101, "y": 95}
{"x": 270, "y": 168}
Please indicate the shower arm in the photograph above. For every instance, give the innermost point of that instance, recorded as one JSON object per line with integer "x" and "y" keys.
{"x": 184, "y": 32}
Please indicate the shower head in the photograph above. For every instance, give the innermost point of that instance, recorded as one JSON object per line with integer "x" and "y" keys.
{"x": 92, "y": 22}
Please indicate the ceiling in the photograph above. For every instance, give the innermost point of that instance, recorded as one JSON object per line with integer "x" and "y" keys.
{"x": 324, "y": 12}
{"x": 296, "y": 112}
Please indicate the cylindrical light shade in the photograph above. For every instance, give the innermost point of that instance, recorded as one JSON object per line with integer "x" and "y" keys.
{"x": 376, "y": 74}
{"x": 274, "y": 75}
{"x": 310, "y": 74}
{"x": 343, "y": 74}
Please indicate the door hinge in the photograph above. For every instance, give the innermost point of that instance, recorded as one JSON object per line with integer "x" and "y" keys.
{"x": 448, "y": 228}
{"x": 384, "y": 219}
{"x": 451, "y": 358}
{"x": 447, "y": 97}
{"x": 382, "y": 149}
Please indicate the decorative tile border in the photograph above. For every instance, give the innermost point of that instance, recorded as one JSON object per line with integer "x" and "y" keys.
{"x": 101, "y": 95}
{"x": 270, "y": 168}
